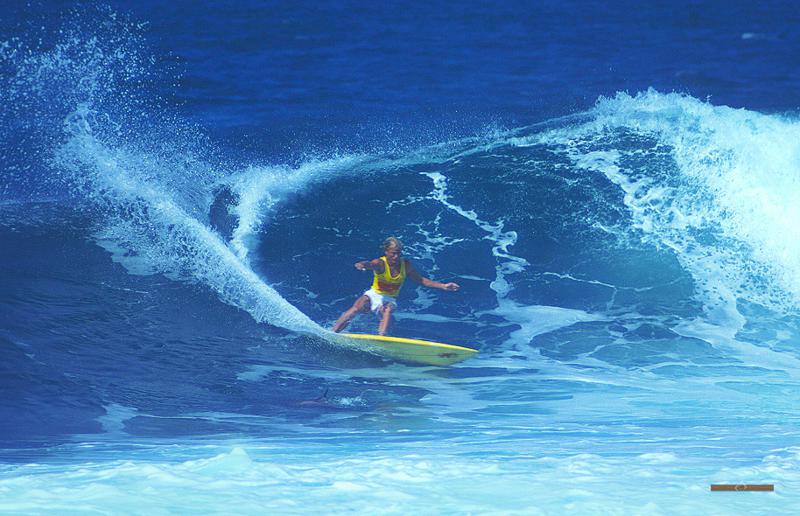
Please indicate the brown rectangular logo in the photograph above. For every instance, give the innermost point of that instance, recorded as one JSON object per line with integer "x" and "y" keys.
{"x": 742, "y": 487}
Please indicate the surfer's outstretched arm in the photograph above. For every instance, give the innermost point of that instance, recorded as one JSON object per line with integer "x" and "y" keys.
{"x": 426, "y": 282}
{"x": 370, "y": 265}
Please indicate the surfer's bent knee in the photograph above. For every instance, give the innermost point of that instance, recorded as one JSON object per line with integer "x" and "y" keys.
{"x": 362, "y": 304}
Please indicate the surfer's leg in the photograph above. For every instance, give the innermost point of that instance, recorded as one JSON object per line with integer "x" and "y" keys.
{"x": 386, "y": 319}
{"x": 361, "y": 304}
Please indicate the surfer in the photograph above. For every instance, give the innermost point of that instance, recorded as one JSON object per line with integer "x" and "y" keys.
{"x": 389, "y": 273}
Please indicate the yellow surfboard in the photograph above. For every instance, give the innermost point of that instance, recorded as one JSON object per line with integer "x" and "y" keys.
{"x": 414, "y": 350}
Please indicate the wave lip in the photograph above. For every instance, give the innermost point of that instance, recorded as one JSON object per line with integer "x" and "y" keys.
{"x": 717, "y": 185}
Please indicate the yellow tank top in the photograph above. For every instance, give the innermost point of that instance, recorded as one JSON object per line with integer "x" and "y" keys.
{"x": 387, "y": 285}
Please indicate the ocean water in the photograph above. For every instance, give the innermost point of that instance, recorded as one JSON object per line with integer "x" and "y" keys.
{"x": 184, "y": 189}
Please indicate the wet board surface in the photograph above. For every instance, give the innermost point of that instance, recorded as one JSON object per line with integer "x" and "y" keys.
{"x": 414, "y": 350}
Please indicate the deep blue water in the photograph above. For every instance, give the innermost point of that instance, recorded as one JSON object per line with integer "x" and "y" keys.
{"x": 184, "y": 189}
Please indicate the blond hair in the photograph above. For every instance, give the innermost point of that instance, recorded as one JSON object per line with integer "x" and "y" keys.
{"x": 392, "y": 242}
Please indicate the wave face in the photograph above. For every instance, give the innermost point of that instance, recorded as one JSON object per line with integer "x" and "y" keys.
{"x": 629, "y": 273}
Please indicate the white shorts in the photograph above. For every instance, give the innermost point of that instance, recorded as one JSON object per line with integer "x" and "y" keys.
{"x": 377, "y": 300}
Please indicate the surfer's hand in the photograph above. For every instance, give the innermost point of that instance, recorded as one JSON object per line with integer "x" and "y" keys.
{"x": 452, "y": 287}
